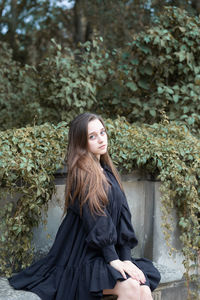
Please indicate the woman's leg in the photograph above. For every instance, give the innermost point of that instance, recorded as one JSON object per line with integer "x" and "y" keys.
{"x": 130, "y": 289}
{"x": 145, "y": 293}
{"x": 125, "y": 290}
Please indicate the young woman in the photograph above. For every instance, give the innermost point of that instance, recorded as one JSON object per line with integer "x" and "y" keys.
{"x": 91, "y": 254}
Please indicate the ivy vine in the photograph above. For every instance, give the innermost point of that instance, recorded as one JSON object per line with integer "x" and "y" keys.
{"x": 30, "y": 156}
{"x": 28, "y": 159}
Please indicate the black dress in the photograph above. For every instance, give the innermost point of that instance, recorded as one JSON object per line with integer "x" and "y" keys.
{"x": 77, "y": 266}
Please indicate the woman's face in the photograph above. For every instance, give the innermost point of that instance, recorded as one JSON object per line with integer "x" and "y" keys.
{"x": 97, "y": 138}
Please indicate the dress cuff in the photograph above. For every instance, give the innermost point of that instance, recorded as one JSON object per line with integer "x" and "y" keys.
{"x": 109, "y": 253}
{"x": 125, "y": 253}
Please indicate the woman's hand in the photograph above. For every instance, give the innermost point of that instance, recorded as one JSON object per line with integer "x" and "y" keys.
{"x": 119, "y": 266}
{"x": 128, "y": 267}
{"x": 136, "y": 273}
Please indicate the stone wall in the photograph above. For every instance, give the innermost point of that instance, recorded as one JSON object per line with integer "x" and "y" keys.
{"x": 144, "y": 200}
{"x": 143, "y": 196}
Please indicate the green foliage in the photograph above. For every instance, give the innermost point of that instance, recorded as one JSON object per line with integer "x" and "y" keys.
{"x": 58, "y": 89}
{"x": 28, "y": 159}
{"x": 68, "y": 86}
{"x": 10, "y": 89}
{"x": 159, "y": 70}
{"x": 30, "y": 156}
{"x": 29, "y": 26}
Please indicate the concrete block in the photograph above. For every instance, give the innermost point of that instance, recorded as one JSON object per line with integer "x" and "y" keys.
{"x": 135, "y": 193}
{"x": 171, "y": 263}
{"x": 176, "y": 290}
{"x": 44, "y": 235}
{"x": 140, "y": 196}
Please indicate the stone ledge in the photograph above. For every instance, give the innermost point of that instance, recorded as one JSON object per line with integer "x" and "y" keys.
{"x": 175, "y": 290}
{"x": 169, "y": 291}
{"x": 8, "y": 293}
{"x": 172, "y": 287}
{"x": 168, "y": 274}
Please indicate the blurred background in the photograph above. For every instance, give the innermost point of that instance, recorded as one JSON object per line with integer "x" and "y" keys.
{"x": 139, "y": 59}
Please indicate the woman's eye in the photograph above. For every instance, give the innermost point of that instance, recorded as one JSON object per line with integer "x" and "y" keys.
{"x": 91, "y": 137}
{"x": 103, "y": 132}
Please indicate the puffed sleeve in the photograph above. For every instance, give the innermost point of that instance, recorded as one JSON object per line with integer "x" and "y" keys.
{"x": 126, "y": 235}
{"x": 100, "y": 232}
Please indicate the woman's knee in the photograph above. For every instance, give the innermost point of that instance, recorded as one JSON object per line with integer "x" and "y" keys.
{"x": 132, "y": 288}
{"x": 133, "y": 284}
{"x": 145, "y": 293}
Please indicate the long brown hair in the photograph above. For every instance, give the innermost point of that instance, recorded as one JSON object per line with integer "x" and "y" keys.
{"x": 85, "y": 179}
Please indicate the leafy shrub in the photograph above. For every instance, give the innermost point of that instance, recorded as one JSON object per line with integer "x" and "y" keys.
{"x": 57, "y": 89}
{"x": 10, "y": 89}
{"x": 159, "y": 70}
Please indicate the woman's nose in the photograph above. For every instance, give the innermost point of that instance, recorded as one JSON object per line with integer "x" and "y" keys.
{"x": 100, "y": 139}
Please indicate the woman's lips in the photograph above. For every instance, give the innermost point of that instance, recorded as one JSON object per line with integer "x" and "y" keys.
{"x": 103, "y": 146}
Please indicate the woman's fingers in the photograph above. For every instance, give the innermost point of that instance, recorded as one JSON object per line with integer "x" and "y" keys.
{"x": 123, "y": 274}
{"x": 143, "y": 279}
{"x": 139, "y": 275}
{"x": 135, "y": 272}
{"x": 128, "y": 268}
{"x": 119, "y": 266}
{"x": 133, "y": 275}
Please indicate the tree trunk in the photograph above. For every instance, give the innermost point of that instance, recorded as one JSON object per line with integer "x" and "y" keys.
{"x": 78, "y": 22}
{"x": 196, "y": 5}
